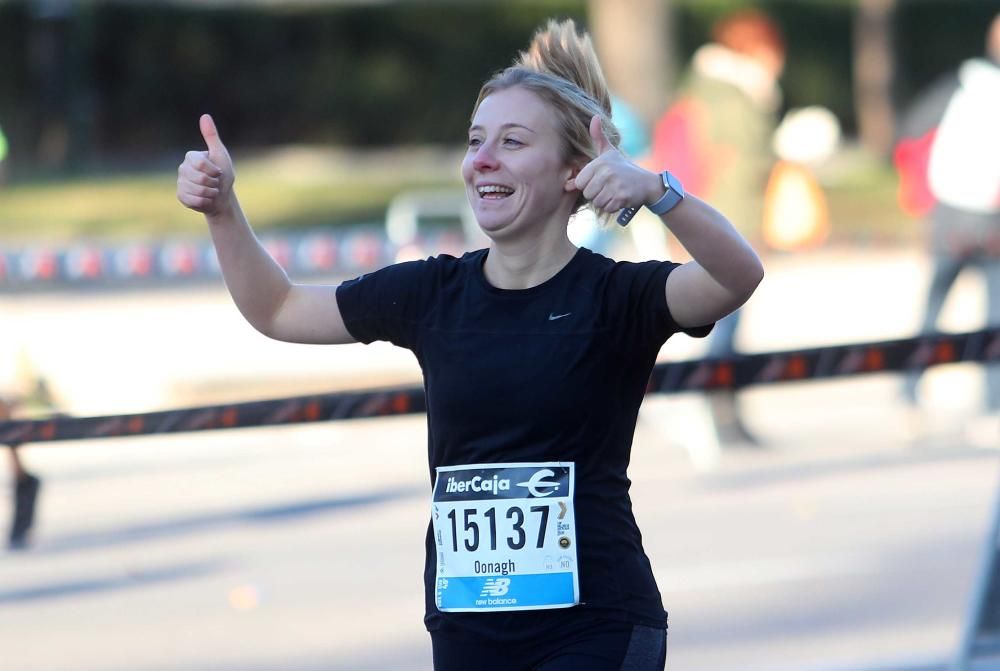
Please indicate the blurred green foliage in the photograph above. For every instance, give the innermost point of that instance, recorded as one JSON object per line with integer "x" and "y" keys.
{"x": 344, "y": 75}
{"x": 128, "y": 80}
{"x": 121, "y": 85}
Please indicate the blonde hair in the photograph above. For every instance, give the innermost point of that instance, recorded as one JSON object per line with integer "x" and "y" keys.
{"x": 560, "y": 66}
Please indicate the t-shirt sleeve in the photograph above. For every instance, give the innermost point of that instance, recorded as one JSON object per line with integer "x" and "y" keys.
{"x": 643, "y": 314}
{"x": 387, "y": 304}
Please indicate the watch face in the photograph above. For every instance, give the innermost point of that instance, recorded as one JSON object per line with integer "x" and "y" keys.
{"x": 673, "y": 195}
{"x": 672, "y": 183}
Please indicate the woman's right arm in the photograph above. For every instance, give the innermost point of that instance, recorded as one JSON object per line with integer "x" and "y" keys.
{"x": 259, "y": 286}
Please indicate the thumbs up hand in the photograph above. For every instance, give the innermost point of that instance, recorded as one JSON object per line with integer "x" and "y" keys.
{"x": 612, "y": 182}
{"x": 205, "y": 178}
{"x": 601, "y": 141}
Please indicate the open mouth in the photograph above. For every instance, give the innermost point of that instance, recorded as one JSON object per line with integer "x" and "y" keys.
{"x": 493, "y": 191}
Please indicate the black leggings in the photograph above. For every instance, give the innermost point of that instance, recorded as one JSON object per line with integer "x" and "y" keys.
{"x": 612, "y": 646}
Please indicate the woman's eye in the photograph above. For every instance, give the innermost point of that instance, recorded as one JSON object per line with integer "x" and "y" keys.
{"x": 474, "y": 142}
{"x": 512, "y": 142}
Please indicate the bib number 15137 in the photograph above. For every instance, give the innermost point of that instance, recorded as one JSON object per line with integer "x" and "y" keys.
{"x": 505, "y": 536}
{"x": 477, "y": 526}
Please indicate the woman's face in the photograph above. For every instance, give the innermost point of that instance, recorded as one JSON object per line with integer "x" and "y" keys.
{"x": 514, "y": 171}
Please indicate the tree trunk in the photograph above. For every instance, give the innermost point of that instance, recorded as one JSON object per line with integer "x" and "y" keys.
{"x": 633, "y": 41}
{"x": 873, "y": 73}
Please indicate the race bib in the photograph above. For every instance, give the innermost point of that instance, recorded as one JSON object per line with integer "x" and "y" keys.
{"x": 505, "y": 537}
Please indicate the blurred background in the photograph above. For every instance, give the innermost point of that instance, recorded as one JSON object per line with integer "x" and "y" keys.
{"x": 838, "y": 524}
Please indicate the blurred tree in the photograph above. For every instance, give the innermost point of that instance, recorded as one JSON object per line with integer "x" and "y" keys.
{"x": 953, "y": 28}
{"x": 873, "y": 74}
{"x": 634, "y": 41}
{"x": 77, "y": 75}
{"x": 49, "y": 62}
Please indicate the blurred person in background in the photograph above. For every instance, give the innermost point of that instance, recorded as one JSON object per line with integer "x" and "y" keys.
{"x": 37, "y": 401}
{"x": 535, "y": 353}
{"x": 25, "y": 488}
{"x": 717, "y": 137}
{"x": 949, "y": 163}
{"x": 25, "y": 485}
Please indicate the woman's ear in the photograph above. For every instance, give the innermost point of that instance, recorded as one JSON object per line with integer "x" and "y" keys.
{"x": 570, "y": 184}
{"x": 574, "y": 169}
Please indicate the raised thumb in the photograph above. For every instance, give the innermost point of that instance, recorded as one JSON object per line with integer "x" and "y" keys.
{"x": 601, "y": 142}
{"x": 211, "y": 135}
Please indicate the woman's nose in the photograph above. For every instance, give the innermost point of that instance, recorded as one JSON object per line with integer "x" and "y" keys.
{"x": 484, "y": 158}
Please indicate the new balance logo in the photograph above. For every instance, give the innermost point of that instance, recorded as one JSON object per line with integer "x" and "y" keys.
{"x": 495, "y": 587}
{"x": 553, "y": 317}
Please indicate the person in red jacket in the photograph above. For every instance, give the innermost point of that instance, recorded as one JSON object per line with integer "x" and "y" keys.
{"x": 717, "y": 137}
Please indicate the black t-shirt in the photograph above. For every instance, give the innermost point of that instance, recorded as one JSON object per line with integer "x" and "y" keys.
{"x": 552, "y": 373}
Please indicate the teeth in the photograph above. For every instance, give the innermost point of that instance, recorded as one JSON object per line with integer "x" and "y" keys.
{"x": 494, "y": 188}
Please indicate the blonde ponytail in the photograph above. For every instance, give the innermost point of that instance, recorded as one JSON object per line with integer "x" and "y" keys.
{"x": 559, "y": 50}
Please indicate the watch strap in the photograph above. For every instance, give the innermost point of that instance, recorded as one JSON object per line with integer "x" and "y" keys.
{"x": 668, "y": 201}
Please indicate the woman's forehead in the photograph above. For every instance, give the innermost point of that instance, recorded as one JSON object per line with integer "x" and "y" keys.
{"x": 515, "y": 106}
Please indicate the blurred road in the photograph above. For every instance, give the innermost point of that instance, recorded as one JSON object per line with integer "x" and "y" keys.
{"x": 844, "y": 546}
{"x": 301, "y": 547}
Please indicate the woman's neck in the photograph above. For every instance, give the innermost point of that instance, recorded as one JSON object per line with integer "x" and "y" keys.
{"x": 523, "y": 264}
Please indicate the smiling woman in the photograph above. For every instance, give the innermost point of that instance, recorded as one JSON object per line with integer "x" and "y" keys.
{"x": 535, "y": 354}
{"x": 514, "y": 171}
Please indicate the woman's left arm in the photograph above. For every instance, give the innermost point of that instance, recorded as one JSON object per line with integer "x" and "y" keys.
{"x": 724, "y": 271}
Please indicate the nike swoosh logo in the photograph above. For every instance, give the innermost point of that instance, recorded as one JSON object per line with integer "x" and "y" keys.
{"x": 553, "y": 317}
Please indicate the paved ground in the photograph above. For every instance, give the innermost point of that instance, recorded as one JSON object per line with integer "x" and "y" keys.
{"x": 300, "y": 548}
{"x": 843, "y": 546}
